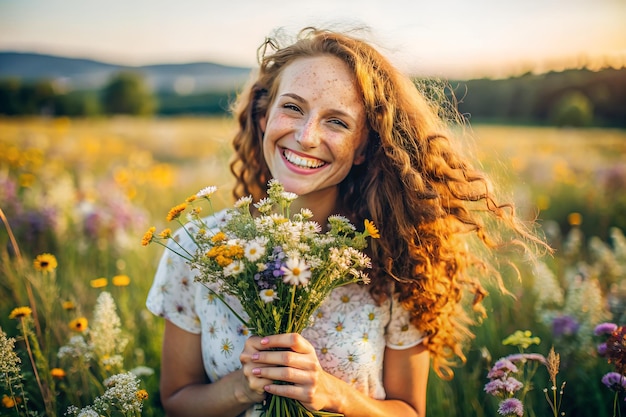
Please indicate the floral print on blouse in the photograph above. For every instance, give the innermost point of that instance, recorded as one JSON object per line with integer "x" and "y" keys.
{"x": 349, "y": 331}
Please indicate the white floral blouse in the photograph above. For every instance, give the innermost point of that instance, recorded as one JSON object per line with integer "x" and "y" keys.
{"x": 349, "y": 331}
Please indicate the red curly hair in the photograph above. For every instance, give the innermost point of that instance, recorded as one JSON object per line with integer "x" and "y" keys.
{"x": 425, "y": 197}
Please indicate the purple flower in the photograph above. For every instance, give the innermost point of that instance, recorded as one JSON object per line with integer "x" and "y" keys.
{"x": 503, "y": 386}
{"x": 605, "y": 328}
{"x": 615, "y": 381}
{"x": 602, "y": 349}
{"x": 524, "y": 357}
{"x": 564, "y": 326}
{"x": 502, "y": 368}
{"x": 511, "y": 406}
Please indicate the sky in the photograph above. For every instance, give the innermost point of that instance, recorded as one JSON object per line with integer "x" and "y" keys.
{"x": 423, "y": 37}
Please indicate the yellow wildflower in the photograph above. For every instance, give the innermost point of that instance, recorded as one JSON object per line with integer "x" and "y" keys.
{"x": 142, "y": 394}
{"x": 8, "y": 402}
{"x": 219, "y": 237}
{"x": 371, "y": 229}
{"x": 20, "y": 312}
{"x": 99, "y": 283}
{"x": 191, "y": 198}
{"x": 147, "y": 237}
{"x": 575, "y": 219}
{"x": 166, "y": 233}
{"x": 523, "y": 338}
{"x": 176, "y": 211}
{"x": 57, "y": 373}
{"x": 79, "y": 324}
{"x": 68, "y": 305}
{"x": 45, "y": 262}
{"x": 121, "y": 280}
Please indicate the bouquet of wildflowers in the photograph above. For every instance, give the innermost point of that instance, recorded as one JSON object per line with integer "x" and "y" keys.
{"x": 279, "y": 265}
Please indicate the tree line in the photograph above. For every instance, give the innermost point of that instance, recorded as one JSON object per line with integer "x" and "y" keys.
{"x": 569, "y": 98}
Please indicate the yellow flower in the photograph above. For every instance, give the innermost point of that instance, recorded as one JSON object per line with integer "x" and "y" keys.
{"x": 8, "y": 402}
{"x": 523, "y": 338}
{"x": 79, "y": 324}
{"x": 371, "y": 229}
{"x": 166, "y": 233}
{"x": 57, "y": 373}
{"x": 20, "y": 312}
{"x": 575, "y": 219}
{"x": 68, "y": 305}
{"x": 219, "y": 237}
{"x": 142, "y": 394}
{"x": 121, "y": 280}
{"x": 176, "y": 211}
{"x": 147, "y": 237}
{"x": 191, "y": 198}
{"x": 99, "y": 282}
{"x": 45, "y": 262}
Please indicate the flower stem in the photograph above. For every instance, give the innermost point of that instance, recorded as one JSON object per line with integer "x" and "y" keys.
{"x": 227, "y": 305}
{"x": 43, "y": 390}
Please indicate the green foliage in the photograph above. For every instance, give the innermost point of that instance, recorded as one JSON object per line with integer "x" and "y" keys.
{"x": 573, "y": 109}
{"x": 127, "y": 93}
{"x": 537, "y": 98}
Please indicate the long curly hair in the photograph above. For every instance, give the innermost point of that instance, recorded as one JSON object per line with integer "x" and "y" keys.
{"x": 425, "y": 197}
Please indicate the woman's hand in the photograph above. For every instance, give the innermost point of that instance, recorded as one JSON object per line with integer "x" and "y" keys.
{"x": 292, "y": 359}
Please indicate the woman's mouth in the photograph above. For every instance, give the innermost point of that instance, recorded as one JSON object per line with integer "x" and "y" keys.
{"x": 302, "y": 162}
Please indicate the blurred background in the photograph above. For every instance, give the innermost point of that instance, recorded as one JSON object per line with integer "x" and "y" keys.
{"x": 111, "y": 113}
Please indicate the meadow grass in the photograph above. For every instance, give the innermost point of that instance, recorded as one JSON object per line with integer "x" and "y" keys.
{"x": 85, "y": 191}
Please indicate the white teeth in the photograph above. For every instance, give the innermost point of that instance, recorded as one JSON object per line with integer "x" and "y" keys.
{"x": 302, "y": 162}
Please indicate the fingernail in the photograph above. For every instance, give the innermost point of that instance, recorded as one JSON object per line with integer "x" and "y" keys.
{"x": 256, "y": 371}
{"x": 255, "y": 356}
{"x": 265, "y": 341}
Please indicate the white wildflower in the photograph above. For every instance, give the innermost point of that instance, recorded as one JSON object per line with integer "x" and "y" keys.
{"x": 10, "y": 371}
{"x": 206, "y": 192}
{"x": 121, "y": 393}
{"x": 253, "y": 250}
{"x": 88, "y": 412}
{"x": 264, "y": 205}
{"x": 296, "y": 272}
{"x": 288, "y": 196}
{"x": 234, "y": 268}
{"x": 105, "y": 335}
{"x": 76, "y": 348}
{"x": 306, "y": 214}
{"x": 268, "y": 295}
{"x": 140, "y": 371}
{"x": 243, "y": 202}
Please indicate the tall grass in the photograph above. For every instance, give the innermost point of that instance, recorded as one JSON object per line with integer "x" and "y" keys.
{"x": 85, "y": 191}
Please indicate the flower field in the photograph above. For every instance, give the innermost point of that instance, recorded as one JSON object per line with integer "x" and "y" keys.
{"x": 76, "y": 197}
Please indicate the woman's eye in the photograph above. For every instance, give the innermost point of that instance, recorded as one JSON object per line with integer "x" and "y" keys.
{"x": 338, "y": 122}
{"x": 293, "y": 107}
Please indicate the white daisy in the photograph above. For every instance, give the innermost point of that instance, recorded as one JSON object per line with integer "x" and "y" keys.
{"x": 268, "y": 295}
{"x": 243, "y": 202}
{"x": 288, "y": 196}
{"x": 253, "y": 250}
{"x": 296, "y": 271}
{"x": 206, "y": 192}
{"x": 234, "y": 268}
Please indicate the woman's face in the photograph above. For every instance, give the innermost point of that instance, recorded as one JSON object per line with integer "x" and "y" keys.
{"x": 315, "y": 129}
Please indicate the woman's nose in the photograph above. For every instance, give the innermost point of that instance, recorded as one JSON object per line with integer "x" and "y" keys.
{"x": 308, "y": 135}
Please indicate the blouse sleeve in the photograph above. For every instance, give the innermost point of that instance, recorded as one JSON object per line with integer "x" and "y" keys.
{"x": 173, "y": 291}
{"x": 401, "y": 334}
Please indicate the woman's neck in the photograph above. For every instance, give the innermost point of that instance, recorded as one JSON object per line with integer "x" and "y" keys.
{"x": 323, "y": 204}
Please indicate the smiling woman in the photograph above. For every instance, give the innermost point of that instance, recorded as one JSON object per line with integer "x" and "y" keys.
{"x": 333, "y": 121}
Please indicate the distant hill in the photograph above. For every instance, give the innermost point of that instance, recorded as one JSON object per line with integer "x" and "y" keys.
{"x": 85, "y": 74}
